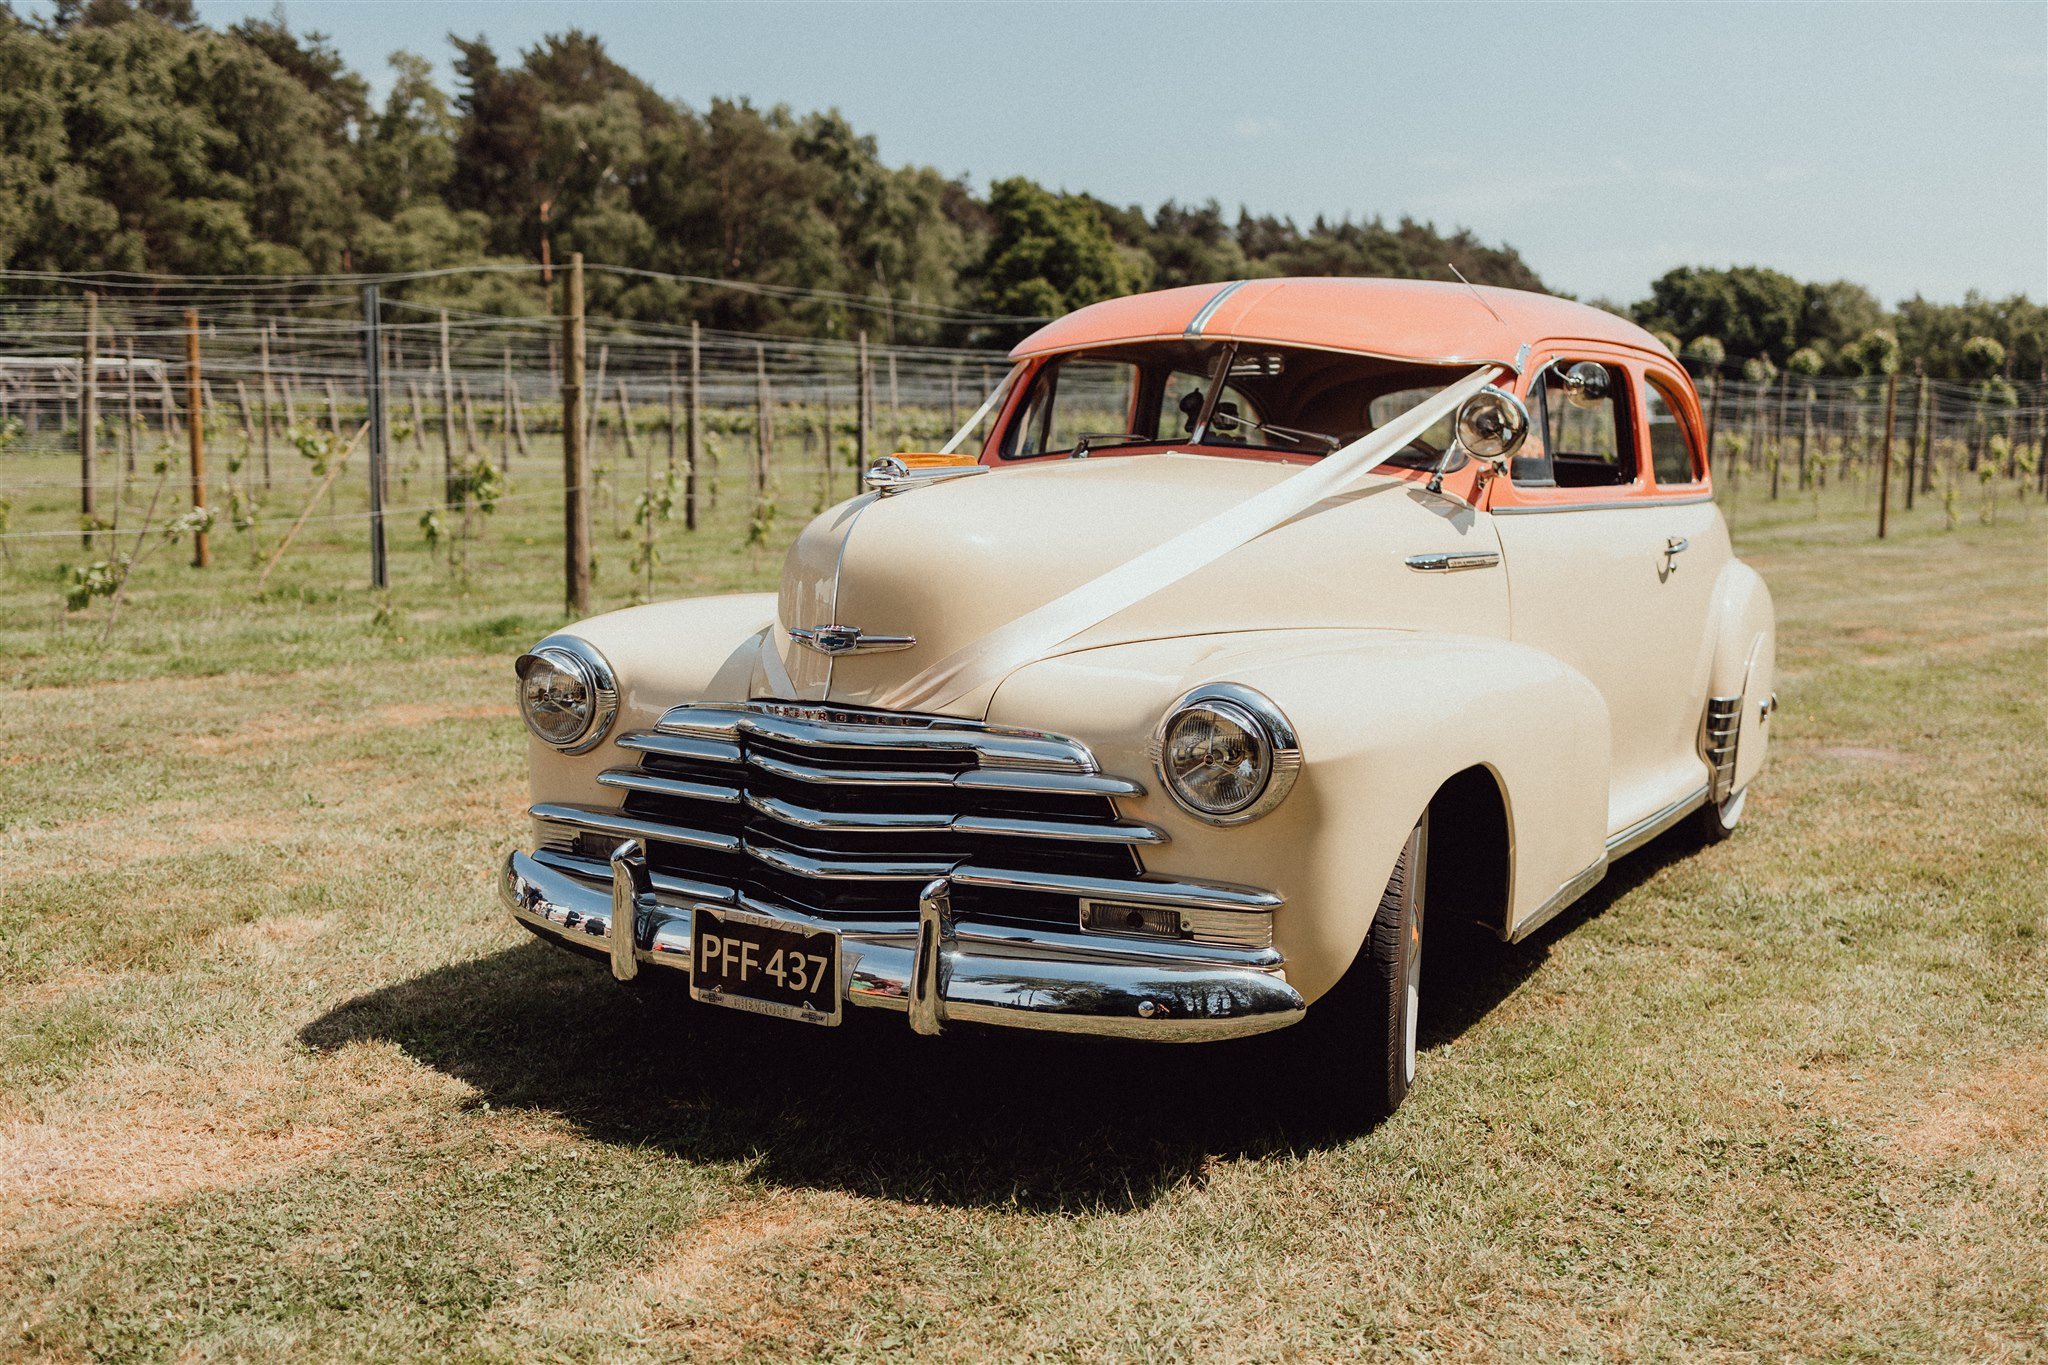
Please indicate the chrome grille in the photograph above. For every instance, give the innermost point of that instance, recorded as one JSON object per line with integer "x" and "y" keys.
{"x": 846, "y": 814}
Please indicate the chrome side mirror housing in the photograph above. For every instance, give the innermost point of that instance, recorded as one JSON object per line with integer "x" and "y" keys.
{"x": 1492, "y": 425}
{"x": 1585, "y": 384}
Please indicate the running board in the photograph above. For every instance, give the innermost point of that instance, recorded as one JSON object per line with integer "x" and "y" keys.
{"x": 1629, "y": 840}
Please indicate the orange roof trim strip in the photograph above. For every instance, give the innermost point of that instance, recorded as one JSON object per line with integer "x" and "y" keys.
{"x": 1405, "y": 319}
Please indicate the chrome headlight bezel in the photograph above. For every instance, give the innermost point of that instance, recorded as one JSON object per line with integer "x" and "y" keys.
{"x": 1254, "y": 712}
{"x": 582, "y": 661}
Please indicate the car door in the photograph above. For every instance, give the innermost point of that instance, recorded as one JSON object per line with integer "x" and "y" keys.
{"x": 1611, "y": 569}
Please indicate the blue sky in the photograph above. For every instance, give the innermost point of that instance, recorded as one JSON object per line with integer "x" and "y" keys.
{"x": 1904, "y": 146}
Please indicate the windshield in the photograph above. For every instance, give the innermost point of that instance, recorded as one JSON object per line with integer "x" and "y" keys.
{"x": 1221, "y": 395}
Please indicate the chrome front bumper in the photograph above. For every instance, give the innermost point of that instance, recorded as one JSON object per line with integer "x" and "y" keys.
{"x": 938, "y": 972}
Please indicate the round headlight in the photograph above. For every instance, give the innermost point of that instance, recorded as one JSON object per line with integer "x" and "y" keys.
{"x": 566, "y": 694}
{"x": 1226, "y": 753}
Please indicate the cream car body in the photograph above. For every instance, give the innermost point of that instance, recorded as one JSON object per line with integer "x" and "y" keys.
{"x": 1543, "y": 672}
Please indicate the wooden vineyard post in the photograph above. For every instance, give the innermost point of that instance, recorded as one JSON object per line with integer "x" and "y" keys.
{"x": 1713, "y": 419}
{"x": 647, "y": 504}
{"x": 674, "y": 402}
{"x": 626, "y": 420}
{"x": 1884, "y": 474}
{"x": 763, "y": 437}
{"x": 419, "y": 416}
{"x": 447, "y": 418}
{"x": 505, "y": 419}
{"x": 1805, "y": 423}
{"x": 263, "y": 375}
{"x": 88, "y": 415}
{"x": 864, "y": 410}
{"x": 1760, "y": 425}
{"x": 1913, "y": 439}
{"x": 290, "y": 390}
{"x": 693, "y": 448}
{"x": 243, "y": 407}
{"x": 518, "y": 422}
{"x": 1778, "y": 437}
{"x": 167, "y": 404}
{"x": 2041, "y": 430}
{"x": 895, "y": 408}
{"x": 373, "y": 394}
{"x": 1735, "y": 458}
{"x": 195, "y": 426}
{"x": 826, "y": 476}
{"x": 1933, "y": 440}
{"x": 575, "y": 459}
{"x": 469, "y": 440}
{"x": 1831, "y": 431}
{"x": 134, "y": 412}
{"x": 113, "y": 352}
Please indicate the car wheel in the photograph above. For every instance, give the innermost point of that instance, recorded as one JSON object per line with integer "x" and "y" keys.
{"x": 1369, "y": 1018}
{"x": 1717, "y": 820}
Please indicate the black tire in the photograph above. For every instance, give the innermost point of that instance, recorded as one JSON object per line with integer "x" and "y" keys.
{"x": 1717, "y": 820}
{"x": 1369, "y": 1018}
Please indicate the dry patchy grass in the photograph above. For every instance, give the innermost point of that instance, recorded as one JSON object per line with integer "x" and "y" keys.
{"x": 277, "y": 1077}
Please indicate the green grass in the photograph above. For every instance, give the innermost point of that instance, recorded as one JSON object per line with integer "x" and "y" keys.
{"x": 278, "y": 1078}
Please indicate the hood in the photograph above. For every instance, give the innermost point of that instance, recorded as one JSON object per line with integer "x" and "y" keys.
{"x": 950, "y": 563}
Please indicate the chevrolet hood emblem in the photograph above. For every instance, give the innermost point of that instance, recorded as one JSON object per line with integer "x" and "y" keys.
{"x": 836, "y": 640}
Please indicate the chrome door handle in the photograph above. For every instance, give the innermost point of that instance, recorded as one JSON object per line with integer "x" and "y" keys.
{"x": 1674, "y": 546}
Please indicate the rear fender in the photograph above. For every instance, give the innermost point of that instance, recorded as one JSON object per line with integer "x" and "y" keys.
{"x": 1745, "y": 661}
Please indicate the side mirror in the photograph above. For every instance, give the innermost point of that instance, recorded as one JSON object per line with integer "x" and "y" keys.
{"x": 1492, "y": 425}
{"x": 1585, "y": 384}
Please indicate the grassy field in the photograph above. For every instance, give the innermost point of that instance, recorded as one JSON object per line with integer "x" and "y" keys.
{"x": 278, "y": 1077}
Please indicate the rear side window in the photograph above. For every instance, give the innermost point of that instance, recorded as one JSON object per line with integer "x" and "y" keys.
{"x": 1579, "y": 431}
{"x": 1671, "y": 453}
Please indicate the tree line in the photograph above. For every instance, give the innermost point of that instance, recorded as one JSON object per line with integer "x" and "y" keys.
{"x": 135, "y": 138}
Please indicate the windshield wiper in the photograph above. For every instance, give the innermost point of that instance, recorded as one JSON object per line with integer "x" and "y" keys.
{"x": 1087, "y": 438}
{"x": 1330, "y": 443}
{"x": 1290, "y": 433}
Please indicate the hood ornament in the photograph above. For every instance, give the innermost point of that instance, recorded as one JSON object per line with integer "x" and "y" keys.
{"x": 837, "y": 640}
{"x": 893, "y": 474}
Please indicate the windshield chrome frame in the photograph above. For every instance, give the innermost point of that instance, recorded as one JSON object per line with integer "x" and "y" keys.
{"x": 1219, "y": 378}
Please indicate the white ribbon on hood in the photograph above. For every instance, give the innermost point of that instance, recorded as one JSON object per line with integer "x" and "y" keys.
{"x": 1036, "y": 633}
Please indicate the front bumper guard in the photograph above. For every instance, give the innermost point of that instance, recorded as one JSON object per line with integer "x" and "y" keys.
{"x": 936, "y": 972}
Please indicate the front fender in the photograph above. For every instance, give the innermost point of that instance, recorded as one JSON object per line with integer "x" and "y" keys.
{"x": 1385, "y": 718}
{"x": 661, "y": 654}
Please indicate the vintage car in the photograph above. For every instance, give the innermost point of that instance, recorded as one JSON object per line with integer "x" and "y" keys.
{"x": 1282, "y": 616}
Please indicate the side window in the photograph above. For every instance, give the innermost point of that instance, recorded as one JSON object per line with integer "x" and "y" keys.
{"x": 1671, "y": 454}
{"x": 1579, "y": 435}
{"x": 1068, "y": 400}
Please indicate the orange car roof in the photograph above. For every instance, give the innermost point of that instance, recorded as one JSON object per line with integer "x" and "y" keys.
{"x": 1406, "y": 319}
